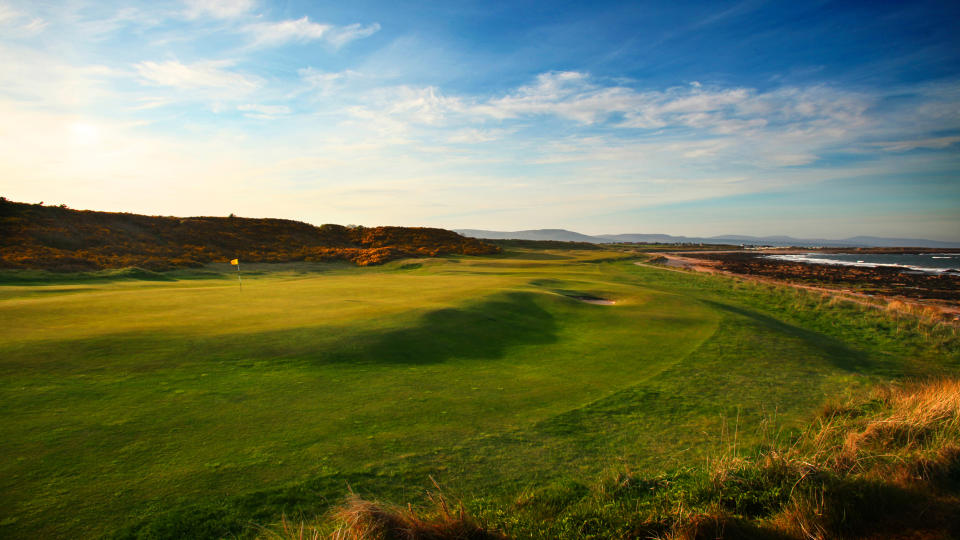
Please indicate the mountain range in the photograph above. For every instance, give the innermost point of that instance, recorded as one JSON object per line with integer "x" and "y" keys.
{"x": 564, "y": 235}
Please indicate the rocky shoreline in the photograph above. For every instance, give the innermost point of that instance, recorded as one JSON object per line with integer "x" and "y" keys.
{"x": 876, "y": 281}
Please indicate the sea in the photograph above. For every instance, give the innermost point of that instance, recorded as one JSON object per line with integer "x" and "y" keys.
{"x": 934, "y": 263}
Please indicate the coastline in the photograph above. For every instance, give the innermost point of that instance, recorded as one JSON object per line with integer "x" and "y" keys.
{"x": 802, "y": 275}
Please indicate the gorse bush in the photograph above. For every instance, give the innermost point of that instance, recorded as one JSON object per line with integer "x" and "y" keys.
{"x": 55, "y": 238}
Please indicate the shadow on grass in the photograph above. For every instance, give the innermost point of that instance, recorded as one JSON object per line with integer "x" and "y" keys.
{"x": 43, "y": 277}
{"x": 836, "y": 351}
{"x": 534, "y": 256}
{"x": 485, "y": 329}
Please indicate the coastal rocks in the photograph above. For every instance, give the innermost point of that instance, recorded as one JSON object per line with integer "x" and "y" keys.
{"x": 883, "y": 281}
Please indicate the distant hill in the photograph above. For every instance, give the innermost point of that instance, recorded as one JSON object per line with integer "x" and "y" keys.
{"x": 782, "y": 241}
{"x": 546, "y": 244}
{"x": 559, "y": 235}
{"x": 58, "y": 238}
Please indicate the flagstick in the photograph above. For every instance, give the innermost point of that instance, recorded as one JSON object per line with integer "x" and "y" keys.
{"x": 238, "y": 274}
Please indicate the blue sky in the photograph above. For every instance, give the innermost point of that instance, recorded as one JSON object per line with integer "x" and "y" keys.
{"x": 815, "y": 119}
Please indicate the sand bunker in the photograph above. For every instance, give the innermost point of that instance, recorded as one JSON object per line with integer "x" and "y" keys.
{"x": 593, "y": 300}
{"x": 597, "y": 301}
{"x": 580, "y": 296}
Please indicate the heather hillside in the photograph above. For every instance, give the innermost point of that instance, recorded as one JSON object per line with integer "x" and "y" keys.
{"x": 59, "y": 238}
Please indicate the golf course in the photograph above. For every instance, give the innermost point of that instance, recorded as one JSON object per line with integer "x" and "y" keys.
{"x": 187, "y": 403}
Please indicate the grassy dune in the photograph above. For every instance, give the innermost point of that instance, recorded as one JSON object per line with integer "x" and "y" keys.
{"x": 185, "y": 405}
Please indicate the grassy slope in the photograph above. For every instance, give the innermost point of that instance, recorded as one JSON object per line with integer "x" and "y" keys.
{"x": 882, "y": 465}
{"x": 122, "y": 400}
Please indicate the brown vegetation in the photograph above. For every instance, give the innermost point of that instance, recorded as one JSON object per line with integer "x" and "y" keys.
{"x": 887, "y": 467}
{"x": 61, "y": 239}
{"x": 360, "y": 519}
{"x": 878, "y": 281}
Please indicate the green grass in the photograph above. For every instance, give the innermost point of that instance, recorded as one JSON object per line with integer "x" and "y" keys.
{"x": 885, "y": 464}
{"x": 186, "y": 405}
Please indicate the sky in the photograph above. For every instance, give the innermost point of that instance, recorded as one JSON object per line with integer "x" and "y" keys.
{"x": 811, "y": 119}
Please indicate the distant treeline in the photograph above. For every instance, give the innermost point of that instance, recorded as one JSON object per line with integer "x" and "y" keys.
{"x": 58, "y": 238}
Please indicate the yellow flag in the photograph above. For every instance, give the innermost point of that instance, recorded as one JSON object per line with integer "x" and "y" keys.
{"x": 235, "y": 262}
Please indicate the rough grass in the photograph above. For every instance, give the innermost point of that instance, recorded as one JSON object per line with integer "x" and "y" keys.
{"x": 884, "y": 466}
{"x": 360, "y": 519}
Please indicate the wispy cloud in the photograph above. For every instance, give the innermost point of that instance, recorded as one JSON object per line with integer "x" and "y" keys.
{"x": 324, "y": 82}
{"x": 577, "y": 97}
{"x": 931, "y": 143}
{"x": 474, "y": 136}
{"x": 150, "y": 102}
{"x": 340, "y": 36}
{"x": 7, "y": 13}
{"x": 20, "y": 22}
{"x": 565, "y": 94}
{"x": 264, "y": 112}
{"x": 220, "y": 9}
{"x": 33, "y": 76}
{"x": 784, "y": 127}
{"x": 304, "y": 30}
{"x": 210, "y": 74}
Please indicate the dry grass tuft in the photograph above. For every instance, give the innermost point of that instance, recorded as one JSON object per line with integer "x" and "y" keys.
{"x": 289, "y": 531}
{"x": 919, "y": 416}
{"x": 720, "y": 524}
{"x": 360, "y": 519}
{"x": 928, "y": 315}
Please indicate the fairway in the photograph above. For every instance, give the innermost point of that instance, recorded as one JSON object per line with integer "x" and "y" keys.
{"x": 129, "y": 402}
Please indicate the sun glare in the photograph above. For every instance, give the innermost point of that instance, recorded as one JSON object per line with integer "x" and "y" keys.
{"x": 85, "y": 134}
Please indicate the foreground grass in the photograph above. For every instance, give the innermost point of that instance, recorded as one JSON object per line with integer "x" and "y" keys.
{"x": 883, "y": 466}
{"x": 188, "y": 407}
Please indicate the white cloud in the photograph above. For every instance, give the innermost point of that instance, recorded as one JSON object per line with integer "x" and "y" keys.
{"x": 719, "y": 111}
{"x": 7, "y": 13}
{"x": 149, "y": 102}
{"x": 35, "y": 25}
{"x": 324, "y": 81}
{"x": 789, "y": 159}
{"x": 933, "y": 143}
{"x": 220, "y": 9}
{"x": 37, "y": 77}
{"x": 304, "y": 30}
{"x": 264, "y": 112}
{"x": 779, "y": 128}
{"x": 20, "y": 23}
{"x": 421, "y": 105}
{"x": 275, "y": 33}
{"x": 474, "y": 136}
{"x": 399, "y": 108}
{"x": 211, "y": 74}
{"x": 340, "y": 36}
{"x": 567, "y": 94}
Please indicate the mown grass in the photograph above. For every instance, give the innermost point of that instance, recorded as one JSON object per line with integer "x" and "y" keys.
{"x": 195, "y": 408}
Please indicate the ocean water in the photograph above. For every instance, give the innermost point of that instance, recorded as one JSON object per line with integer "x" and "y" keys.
{"x": 937, "y": 263}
